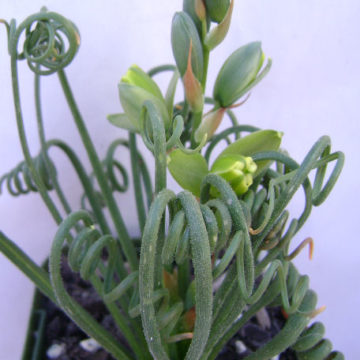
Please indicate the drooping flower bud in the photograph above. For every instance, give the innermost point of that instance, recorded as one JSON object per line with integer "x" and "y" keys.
{"x": 184, "y": 35}
{"x": 134, "y": 89}
{"x": 217, "y": 9}
{"x": 200, "y": 9}
{"x": 197, "y": 11}
{"x": 218, "y": 33}
{"x": 193, "y": 88}
{"x": 238, "y": 73}
{"x": 136, "y": 76}
{"x": 209, "y": 124}
{"x": 238, "y": 170}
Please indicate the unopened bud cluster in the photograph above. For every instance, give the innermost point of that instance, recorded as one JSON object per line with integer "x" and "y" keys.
{"x": 238, "y": 170}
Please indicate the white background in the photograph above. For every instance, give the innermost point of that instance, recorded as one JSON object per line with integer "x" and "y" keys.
{"x": 311, "y": 90}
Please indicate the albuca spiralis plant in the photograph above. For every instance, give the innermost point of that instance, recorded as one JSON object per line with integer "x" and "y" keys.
{"x": 212, "y": 256}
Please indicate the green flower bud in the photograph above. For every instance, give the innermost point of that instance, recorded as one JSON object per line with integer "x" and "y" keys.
{"x": 183, "y": 36}
{"x": 242, "y": 184}
{"x": 197, "y": 12}
{"x": 218, "y": 33}
{"x": 238, "y": 170}
{"x": 238, "y": 73}
{"x": 137, "y": 76}
{"x": 217, "y": 9}
{"x": 200, "y": 10}
{"x": 134, "y": 89}
{"x": 250, "y": 165}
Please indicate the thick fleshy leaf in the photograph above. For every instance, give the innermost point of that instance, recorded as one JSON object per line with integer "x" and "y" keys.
{"x": 258, "y": 141}
{"x": 188, "y": 170}
{"x": 123, "y": 122}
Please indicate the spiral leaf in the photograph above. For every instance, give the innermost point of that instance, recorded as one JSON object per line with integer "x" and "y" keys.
{"x": 51, "y": 42}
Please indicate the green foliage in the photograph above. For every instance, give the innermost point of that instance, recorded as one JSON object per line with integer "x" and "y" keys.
{"x": 135, "y": 88}
{"x": 237, "y": 170}
{"x": 229, "y": 225}
{"x": 189, "y": 6}
{"x": 259, "y": 141}
{"x": 217, "y": 9}
{"x": 218, "y": 33}
{"x": 183, "y": 36}
{"x": 188, "y": 170}
{"x": 238, "y": 72}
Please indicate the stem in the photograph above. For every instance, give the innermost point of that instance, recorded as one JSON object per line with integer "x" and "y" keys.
{"x": 123, "y": 235}
{"x": 122, "y": 323}
{"x": 206, "y": 53}
{"x": 48, "y": 163}
{"x": 25, "y": 147}
{"x": 136, "y": 180}
{"x": 85, "y": 182}
{"x": 206, "y": 56}
{"x": 196, "y": 121}
{"x": 80, "y": 316}
{"x": 159, "y": 151}
{"x": 197, "y": 117}
{"x": 34, "y": 272}
{"x": 147, "y": 275}
{"x": 216, "y": 344}
{"x": 158, "y": 69}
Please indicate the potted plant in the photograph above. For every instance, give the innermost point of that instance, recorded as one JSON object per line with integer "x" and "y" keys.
{"x": 209, "y": 258}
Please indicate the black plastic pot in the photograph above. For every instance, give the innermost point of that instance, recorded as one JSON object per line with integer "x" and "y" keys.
{"x": 34, "y": 342}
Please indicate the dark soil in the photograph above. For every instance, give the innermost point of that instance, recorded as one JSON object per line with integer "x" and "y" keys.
{"x": 61, "y": 330}
{"x": 254, "y": 336}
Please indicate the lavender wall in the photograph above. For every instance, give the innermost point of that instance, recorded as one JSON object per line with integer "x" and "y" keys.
{"x": 311, "y": 90}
